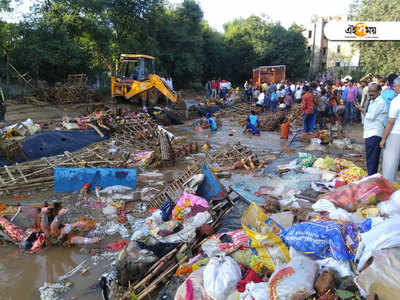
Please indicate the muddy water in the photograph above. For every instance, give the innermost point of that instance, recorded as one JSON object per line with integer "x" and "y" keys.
{"x": 21, "y": 275}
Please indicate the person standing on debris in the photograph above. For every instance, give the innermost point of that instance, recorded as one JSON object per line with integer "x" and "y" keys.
{"x": 252, "y": 124}
{"x": 322, "y": 109}
{"x": 214, "y": 88}
{"x": 308, "y": 101}
{"x": 374, "y": 126}
{"x": 364, "y": 98}
{"x": 391, "y": 137}
{"x": 274, "y": 100}
{"x": 298, "y": 94}
{"x": 208, "y": 89}
{"x": 350, "y": 97}
{"x": 388, "y": 93}
{"x": 264, "y": 87}
{"x": 261, "y": 99}
{"x": 211, "y": 121}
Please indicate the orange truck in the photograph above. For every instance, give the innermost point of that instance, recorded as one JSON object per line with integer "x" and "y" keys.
{"x": 268, "y": 74}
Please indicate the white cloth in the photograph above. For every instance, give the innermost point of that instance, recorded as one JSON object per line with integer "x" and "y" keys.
{"x": 394, "y": 113}
{"x": 391, "y": 157}
{"x": 261, "y": 98}
{"x": 374, "y": 120}
{"x": 292, "y": 88}
{"x": 298, "y": 94}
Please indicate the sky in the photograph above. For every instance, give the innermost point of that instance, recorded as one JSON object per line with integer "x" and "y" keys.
{"x": 218, "y": 12}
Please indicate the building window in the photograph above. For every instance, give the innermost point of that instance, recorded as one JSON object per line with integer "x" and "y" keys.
{"x": 324, "y": 51}
{"x": 337, "y": 63}
{"x": 309, "y": 34}
{"x": 338, "y": 48}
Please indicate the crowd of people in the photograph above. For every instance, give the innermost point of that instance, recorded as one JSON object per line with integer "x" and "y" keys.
{"x": 373, "y": 101}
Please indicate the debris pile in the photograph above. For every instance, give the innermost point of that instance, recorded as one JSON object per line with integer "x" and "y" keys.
{"x": 74, "y": 90}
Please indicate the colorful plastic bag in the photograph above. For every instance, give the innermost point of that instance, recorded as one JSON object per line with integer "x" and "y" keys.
{"x": 263, "y": 233}
{"x": 369, "y": 191}
{"x": 306, "y": 159}
{"x": 322, "y": 239}
{"x": 352, "y": 174}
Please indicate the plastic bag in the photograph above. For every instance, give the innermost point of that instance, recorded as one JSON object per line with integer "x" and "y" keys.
{"x": 382, "y": 276}
{"x": 221, "y": 276}
{"x": 335, "y": 213}
{"x": 263, "y": 233}
{"x": 193, "y": 285}
{"x": 322, "y": 239}
{"x": 315, "y": 145}
{"x": 368, "y": 191}
{"x": 306, "y": 159}
{"x": 255, "y": 291}
{"x": 342, "y": 267}
{"x": 326, "y": 163}
{"x": 352, "y": 174}
{"x": 294, "y": 280}
{"x": 383, "y": 235}
{"x": 184, "y": 205}
{"x": 392, "y": 206}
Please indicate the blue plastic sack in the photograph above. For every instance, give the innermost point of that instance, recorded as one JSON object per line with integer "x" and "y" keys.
{"x": 323, "y": 239}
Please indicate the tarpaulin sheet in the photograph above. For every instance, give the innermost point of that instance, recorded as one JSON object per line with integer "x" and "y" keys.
{"x": 248, "y": 193}
{"x": 50, "y": 143}
{"x": 210, "y": 188}
{"x": 72, "y": 179}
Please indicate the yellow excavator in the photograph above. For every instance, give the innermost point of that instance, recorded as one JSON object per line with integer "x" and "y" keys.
{"x": 135, "y": 80}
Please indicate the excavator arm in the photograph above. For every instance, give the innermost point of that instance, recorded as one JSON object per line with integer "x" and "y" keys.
{"x": 159, "y": 84}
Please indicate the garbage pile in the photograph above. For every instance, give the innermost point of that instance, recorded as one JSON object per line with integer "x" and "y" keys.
{"x": 310, "y": 233}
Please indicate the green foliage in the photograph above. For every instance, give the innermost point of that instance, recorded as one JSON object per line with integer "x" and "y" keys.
{"x": 5, "y": 5}
{"x": 61, "y": 37}
{"x": 379, "y": 57}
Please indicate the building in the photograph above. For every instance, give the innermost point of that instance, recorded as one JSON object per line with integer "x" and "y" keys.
{"x": 325, "y": 55}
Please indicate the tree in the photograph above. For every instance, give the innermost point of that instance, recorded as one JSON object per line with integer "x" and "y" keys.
{"x": 378, "y": 57}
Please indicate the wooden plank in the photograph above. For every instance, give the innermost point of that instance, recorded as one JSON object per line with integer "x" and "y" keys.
{"x": 20, "y": 172}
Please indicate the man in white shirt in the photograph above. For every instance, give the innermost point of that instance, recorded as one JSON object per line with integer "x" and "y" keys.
{"x": 298, "y": 94}
{"x": 391, "y": 137}
{"x": 260, "y": 101}
{"x": 364, "y": 97}
{"x": 374, "y": 126}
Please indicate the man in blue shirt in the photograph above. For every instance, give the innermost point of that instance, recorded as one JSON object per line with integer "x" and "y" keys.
{"x": 388, "y": 94}
{"x": 252, "y": 124}
{"x": 211, "y": 121}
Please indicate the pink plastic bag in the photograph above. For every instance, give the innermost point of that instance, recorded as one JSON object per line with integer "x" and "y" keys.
{"x": 369, "y": 191}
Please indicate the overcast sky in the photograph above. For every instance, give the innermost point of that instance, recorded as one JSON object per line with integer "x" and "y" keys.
{"x": 218, "y": 12}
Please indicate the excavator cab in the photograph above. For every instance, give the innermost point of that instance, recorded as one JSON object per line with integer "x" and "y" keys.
{"x": 135, "y": 78}
{"x": 138, "y": 68}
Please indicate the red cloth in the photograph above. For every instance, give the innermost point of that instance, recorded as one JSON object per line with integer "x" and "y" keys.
{"x": 117, "y": 246}
{"x": 307, "y": 103}
{"x": 13, "y": 231}
{"x": 218, "y": 84}
{"x": 213, "y": 85}
{"x": 251, "y": 277}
